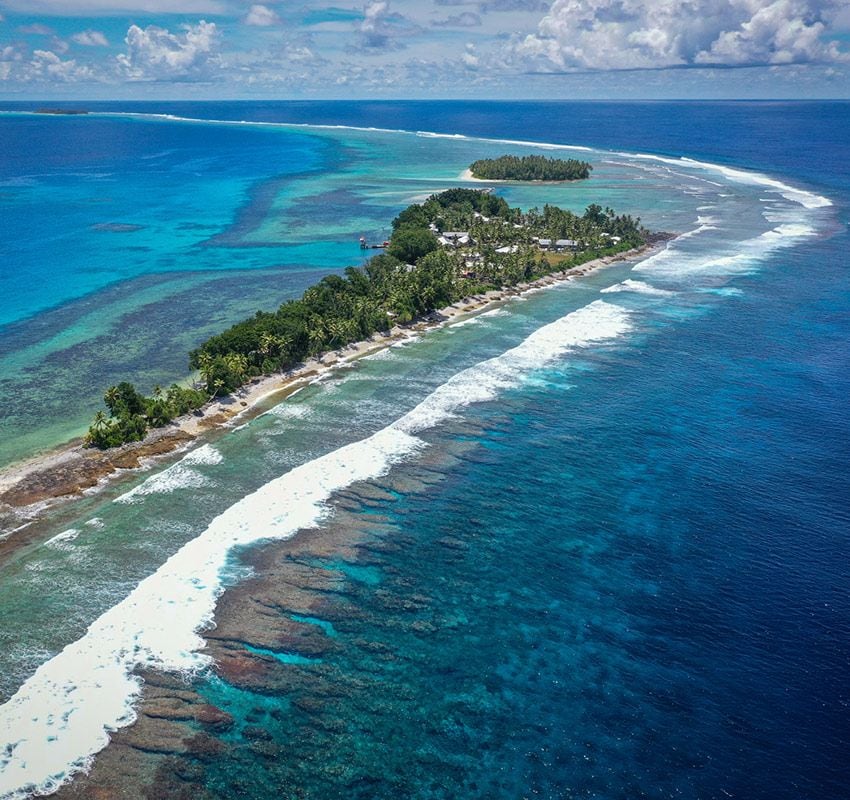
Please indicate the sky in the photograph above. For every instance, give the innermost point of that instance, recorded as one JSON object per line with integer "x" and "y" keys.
{"x": 477, "y": 49}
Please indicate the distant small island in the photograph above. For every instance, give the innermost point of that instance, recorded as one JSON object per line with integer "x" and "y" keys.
{"x": 530, "y": 168}
{"x": 62, "y": 111}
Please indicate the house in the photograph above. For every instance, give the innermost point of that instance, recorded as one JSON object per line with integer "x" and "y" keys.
{"x": 508, "y": 248}
{"x": 454, "y": 238}
{"x": 566, "y": 244}
{"x": 544, "y": 244}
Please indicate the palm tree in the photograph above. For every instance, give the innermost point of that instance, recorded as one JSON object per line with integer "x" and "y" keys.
{"x": 111, "y": 397}
{"x": 205, "y": 365}
{"x": 316, "y": 334}
{"x": 238, "y": 365}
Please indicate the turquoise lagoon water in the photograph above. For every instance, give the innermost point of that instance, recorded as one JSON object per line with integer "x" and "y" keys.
{"x": 130, "y": 239}
{"x": 645, "y": 475}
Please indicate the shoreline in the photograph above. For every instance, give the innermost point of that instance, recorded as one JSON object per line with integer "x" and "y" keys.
{"x": 40, "y": 483}
{"x": 467, "y": 175}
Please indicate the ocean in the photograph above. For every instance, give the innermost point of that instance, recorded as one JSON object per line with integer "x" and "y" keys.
{"x": 593, "y": 543}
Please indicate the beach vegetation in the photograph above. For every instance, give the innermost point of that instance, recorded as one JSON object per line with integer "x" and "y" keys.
{"x": 132, "y": 415}
{"x": 456, "y": 244}
{"x": 530, "y": 168}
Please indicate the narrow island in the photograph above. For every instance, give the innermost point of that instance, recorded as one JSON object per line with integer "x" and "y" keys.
{"x": 68, "y": 112}
{"x": 459, "y": 243}
{"x": 530, "y": 168}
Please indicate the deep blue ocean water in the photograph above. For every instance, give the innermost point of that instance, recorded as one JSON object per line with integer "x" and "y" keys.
{"x": 648, "y": 591}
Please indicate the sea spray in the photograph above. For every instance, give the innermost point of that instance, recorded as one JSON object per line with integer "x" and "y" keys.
{"x": 63, "y": 715}
{"x": 178, "y": 476}
{"x": 734, "y": 258}
{"x": 637, "y": 287}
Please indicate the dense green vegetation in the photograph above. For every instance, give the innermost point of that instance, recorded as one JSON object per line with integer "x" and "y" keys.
{"x": 421, "y": 270}
{"x": 131, "y": 414}
{"x": 530, "y": 168}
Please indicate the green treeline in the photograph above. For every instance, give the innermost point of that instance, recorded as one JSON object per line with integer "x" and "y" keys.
{"x": 530, "y": 168}
{"x": 421, "y": 270}
{"x": 131, "y": 414}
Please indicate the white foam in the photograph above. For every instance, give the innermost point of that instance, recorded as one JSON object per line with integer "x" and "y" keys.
{"x": 286, "y": 410}
{"x": 409, "y": 338}
{"x": 804, "y": 198}
{"x": 178, "y": 476}
{"x": 593, "y": 323}
{"x": 65, "y": 536}
{"x": 64, "y": 713}
{"x": 165, "y": 482}
{"x": 205, "y": 454}
{"x": 462, "y": 323}
{"x": 702, "y": 227}
{"x": 639, "y": 287}
{"x": 745, "y": 256}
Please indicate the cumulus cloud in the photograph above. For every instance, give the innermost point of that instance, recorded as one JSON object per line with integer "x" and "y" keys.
{"x": 90, "y": 38}
{"x": 154, "y": 53}
{"x": 373, "y": 27}
{"x": 261, "y": 16}
{"x": 48, "y": 65}
{"x": 36, "y": 29}
{"x": 383, "y": 29}
{"x": 629, "y": 34}
{"x": 466, "y": 19}
{"x": 10, "y": 56}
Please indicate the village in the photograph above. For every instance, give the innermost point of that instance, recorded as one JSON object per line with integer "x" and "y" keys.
{"x": 491, "y": 242}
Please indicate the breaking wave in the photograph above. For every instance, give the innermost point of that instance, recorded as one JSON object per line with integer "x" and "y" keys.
{"x": 62, "y": 715}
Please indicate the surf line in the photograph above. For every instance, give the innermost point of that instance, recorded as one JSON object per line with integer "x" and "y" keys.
{"x": 64, "y": 713}
{"x": 803, "y": 197}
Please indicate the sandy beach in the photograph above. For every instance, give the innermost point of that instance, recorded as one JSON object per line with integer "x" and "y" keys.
{"x": 30, "y": 487}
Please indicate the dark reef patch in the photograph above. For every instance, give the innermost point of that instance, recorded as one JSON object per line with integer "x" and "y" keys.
{"x": 117, "y": 227}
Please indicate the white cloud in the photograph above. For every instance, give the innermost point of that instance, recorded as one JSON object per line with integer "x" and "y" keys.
{"x": 261, "y": 16}
{"x": 382, "y": 30}
{"x": 90, "y": 38}
{"x": 372, "y": 28}
{"x": 625, "y": 34}
{"x": 470, "y": 57}
{"x": 466, "y": 19}
{"x": 46, "y": 64}
{"x": 59, "y": 45}
{"x": 36, "y": 29}
{"x": 154, "y": 53}
{"x": 10, "y": 55}
{"x": 783, "y": 32}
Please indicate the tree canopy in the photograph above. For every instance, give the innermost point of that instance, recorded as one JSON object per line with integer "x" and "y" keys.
{"x": 414, "y": 276}
{"x": 530, "y": 168}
